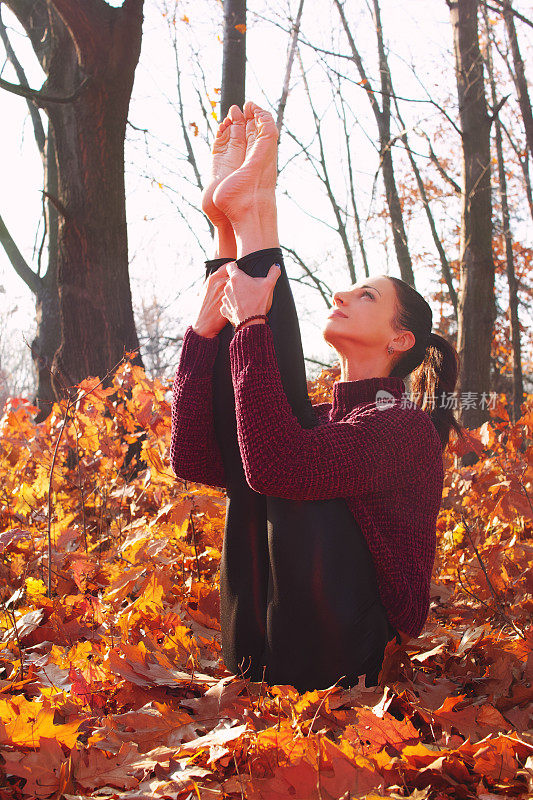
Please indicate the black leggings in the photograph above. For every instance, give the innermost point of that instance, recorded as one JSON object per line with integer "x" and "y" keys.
{"x": 299, "y": 599}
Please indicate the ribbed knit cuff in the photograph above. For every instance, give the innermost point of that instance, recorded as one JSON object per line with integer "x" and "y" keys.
{"x": 198, "y": 353}
{"x": 252, "y": 343}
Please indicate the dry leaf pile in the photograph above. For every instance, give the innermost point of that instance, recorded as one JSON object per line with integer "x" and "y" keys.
{"x": 111, "y": 678}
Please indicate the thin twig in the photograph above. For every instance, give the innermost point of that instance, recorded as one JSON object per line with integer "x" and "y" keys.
{"x": 194, "y": 543}
{"x": 49, "y": 526}
{"x": 11, "y": 615}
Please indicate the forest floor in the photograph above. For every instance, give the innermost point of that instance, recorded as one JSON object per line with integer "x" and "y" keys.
{"x": 111, "y": 678}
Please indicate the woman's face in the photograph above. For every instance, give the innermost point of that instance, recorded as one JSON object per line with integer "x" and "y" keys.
{"x": 360, "y": 319}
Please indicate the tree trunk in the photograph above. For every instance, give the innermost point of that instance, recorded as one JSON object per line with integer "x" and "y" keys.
{"x": 393, "y": 201}
{"x": 514, "y": 321}
{"x": 44, "y": 346}
{"x": 395, "y": 211}
{"x": 48, "y": 336}
{"x": 97, "y": 323}
{"x": 445, "y": 266}
{"x": 91, "y": 45}
{"x": 477, "y": 310}
{"x": 234, "y": 56}
{"x": 519, "y": 76}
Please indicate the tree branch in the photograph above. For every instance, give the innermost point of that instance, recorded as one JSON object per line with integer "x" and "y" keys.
{"x": 325, "y": 293}
{"x": 34, "y": 16}
{"x": 442, "y": 172}
{"x": 288, "y": 69}
{"x": 503, "y": 5}
{"x": 41, "y": 98}
{"x": 324, "y": 177}
{"x": 18, "y": 262}
{"x": 40, "y": 136}
{"x": 359, "y": 64}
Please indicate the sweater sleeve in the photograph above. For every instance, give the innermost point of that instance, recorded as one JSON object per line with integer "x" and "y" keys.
{"x": 194, "y": 452}
{"x": 372, "y": 450}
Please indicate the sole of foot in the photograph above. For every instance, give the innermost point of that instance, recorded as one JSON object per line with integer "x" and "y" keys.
{"x": 254, "y": 182}
{"x": 228, "y": 153}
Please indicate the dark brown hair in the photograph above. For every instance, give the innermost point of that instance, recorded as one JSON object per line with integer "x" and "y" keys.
{"x": 432, "y": 360}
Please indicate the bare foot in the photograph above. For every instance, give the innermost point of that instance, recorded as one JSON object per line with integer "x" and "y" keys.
{"x": 253, "y": 183}
{"x": 228, "y": 152}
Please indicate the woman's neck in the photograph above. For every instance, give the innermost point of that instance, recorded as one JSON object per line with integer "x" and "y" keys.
{"x": 356, "y": 369}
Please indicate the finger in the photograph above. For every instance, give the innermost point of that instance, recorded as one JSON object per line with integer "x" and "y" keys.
{"x": 220, "y": 274}
{"x": 273, "y": 273}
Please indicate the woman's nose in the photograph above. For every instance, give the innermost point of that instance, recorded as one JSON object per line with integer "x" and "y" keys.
{"x": 337, "y": 299}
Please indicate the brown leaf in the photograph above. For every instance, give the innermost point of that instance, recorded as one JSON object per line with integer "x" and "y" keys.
{"x": 40, "y": 769}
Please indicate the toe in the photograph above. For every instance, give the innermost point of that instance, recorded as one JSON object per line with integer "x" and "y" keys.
{"x": 249, "y": 110}
{"x": 236, "y": 114}
{"x": 255, "y": 109}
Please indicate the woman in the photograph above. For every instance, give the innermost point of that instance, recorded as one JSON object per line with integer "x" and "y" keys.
{"x": 329, "y": 538}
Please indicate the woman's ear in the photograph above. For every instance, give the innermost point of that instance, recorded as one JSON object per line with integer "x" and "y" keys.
{"x": 404, "y": 341}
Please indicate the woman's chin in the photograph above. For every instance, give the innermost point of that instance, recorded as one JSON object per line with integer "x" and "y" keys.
{"x": 328, "y": 335}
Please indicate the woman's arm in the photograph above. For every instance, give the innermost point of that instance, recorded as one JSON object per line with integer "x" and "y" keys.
{"x": 377, "y": 450}
{"x": 194, "y": 452}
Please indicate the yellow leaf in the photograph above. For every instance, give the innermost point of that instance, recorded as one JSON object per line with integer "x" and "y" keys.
{"x": 35, "y": 587}
{"x": 25, "y": 722}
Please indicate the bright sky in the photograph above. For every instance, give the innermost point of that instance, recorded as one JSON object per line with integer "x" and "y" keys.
{"x": 166, "y": 250}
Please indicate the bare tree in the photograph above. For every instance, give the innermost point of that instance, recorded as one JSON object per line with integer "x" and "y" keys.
{"x": 519, "y": 75}
{"x": 514, "y": 321}
{"x": 295, "y": 31}
{"x": 44, "y": 286}
{"x": 445, "y": 266}
{"x": 383, "y": 120}
{"x": 477, "y": 311}
{"x": 234, "y": 58}
{"x": 89, "y": 51}
{"x": 523, "y": 161}
{"x": 16, "y": 376}
{"x": 160, "y": 351}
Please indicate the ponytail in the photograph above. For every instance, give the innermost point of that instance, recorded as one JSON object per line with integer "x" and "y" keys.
{"x": 434, "y": 381}
{"x": 432, "y": 361}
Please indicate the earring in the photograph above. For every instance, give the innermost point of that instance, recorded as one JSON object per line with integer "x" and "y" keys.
{"x": 390, "y": 350}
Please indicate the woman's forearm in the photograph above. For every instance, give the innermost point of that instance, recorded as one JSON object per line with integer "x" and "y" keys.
{"x": 194, "y": 452}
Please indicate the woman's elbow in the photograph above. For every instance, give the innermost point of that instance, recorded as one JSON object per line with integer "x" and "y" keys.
{"x": 260, "y": 480}
{"x": 271, "y": 483}
{"x": 178, "y": 469}
{"x": 181, "y": 465}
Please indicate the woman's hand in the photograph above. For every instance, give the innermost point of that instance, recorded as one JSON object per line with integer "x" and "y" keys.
{"x": 210, "y": 321}
{"x": 243, "y": 295}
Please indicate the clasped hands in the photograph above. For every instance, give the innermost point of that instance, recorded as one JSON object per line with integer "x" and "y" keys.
{"x": 230, "y": 295}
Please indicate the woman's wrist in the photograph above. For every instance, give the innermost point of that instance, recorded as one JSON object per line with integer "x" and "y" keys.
{"x": 253, "y": 322}
{"x": 203, "y": 332}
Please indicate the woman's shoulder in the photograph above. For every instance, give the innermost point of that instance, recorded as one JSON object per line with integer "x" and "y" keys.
{"x": 403, "y": 419}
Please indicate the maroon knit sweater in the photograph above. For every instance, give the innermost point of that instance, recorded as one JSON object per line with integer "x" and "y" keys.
{"x": 386, "y": 462}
